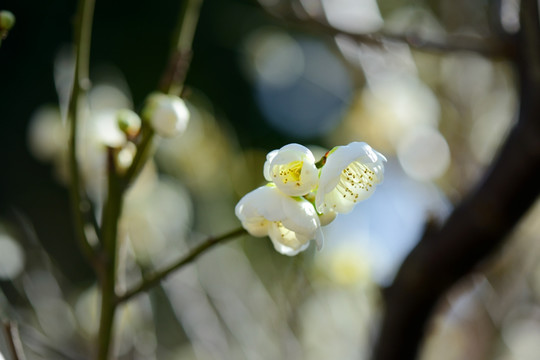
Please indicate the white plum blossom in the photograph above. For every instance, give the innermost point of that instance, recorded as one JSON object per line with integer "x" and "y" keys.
{"x": 349, "y": 175}
{"x": 290, "y": 222}
{"x": 168, "y": 114}
{"x": 303, "y": 195}
{"x": 292, "y": 168}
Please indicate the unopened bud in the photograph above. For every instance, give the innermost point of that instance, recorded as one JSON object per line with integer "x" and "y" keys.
{"x": 7, "y": 20}
{"x": 129, "y": 122}
{"x": 168, "y": 115}
{"x": 125, "y": 156}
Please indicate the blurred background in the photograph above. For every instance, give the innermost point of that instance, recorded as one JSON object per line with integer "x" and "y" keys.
{"x": 263, "y": 75}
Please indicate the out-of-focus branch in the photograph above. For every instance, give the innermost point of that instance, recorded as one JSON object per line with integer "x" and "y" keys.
{"x": 172, "y": 81}
{"x": 83, "y": 33}
{"x": 12, "y": 333}
{"x": 480, "y": 223}
{"x": 156, "y": 278}
{"x": 180, "y": 59}
{"x": 493, "y": 48}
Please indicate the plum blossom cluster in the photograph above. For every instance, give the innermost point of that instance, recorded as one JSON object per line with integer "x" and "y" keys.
{"x": 302, "y": 195}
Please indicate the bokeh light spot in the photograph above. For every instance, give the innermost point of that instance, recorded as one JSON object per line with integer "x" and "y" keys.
{"x": 424, "y": 154}
{"x": 11, "y": 257}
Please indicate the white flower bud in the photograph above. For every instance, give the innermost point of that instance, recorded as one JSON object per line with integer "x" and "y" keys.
{"x": 7, "y": 20}
{"x": 128, "y": 121}
{"x": 168, "y": 114}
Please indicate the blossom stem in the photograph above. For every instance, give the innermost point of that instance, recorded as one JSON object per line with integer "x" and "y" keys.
{"x": 83, "y": 31}
{"x": 142, "y": 154}
{"x": 111, "y": 213}
{"x": 156, "y": 278}
{"x": 319, "y": 164}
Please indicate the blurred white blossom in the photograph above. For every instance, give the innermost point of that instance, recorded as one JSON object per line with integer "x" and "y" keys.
{"x": 47, "y": 136}
{"x": 168, "y": 114}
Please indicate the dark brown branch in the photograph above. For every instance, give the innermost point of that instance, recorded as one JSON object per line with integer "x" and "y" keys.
{"x": 480, "y": 223}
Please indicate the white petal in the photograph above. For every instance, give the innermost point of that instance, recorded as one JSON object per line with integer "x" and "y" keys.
{"x": 285, "y": 241}
{"x": 257, "y": 227}
{"x": 266, "y": 169}
{"x": 319, "y": 239}
{"x": 327, "y": 217}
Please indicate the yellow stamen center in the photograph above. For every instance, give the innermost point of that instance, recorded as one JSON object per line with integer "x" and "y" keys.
{"x": 289, "y": 172}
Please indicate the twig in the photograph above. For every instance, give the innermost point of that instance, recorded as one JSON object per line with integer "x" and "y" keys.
{"x": 154, "y": 279}
{"x": 142, "y": 154}
{"x": 180, "y": 58}
{"x": 15, "y": 345}
{"x": 83, "y": 31}
{"x": 479, "y": 224}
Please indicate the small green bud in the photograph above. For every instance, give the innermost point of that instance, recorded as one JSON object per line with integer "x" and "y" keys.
{"x": 7, "y": 20}
{"x": 129, "y": 122}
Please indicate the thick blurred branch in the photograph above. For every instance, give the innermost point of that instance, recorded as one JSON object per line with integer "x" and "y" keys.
{"x": 480, "y": 223}
{"x": 156, "y": 278}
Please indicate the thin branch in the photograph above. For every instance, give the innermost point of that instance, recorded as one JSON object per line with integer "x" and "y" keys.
{"x": 142, "y": 154}
{"x": 83, "y": 31}
{"x": 172, "y": 81}
{"x": 12, "y": 332}
{"x": 477, "y": 226}
{"x": 111, "y": 214}
{"x": 180, "y": 58}
{"x": 154, "y": 279}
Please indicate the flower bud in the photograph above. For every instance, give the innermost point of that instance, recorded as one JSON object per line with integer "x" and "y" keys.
{"x": 168, "y": 115}
{"x": 7, "y": 20}
{"x": 129, "y": 122}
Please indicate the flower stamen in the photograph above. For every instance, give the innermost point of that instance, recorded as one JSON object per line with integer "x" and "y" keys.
{"x": 290, "y": 172}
